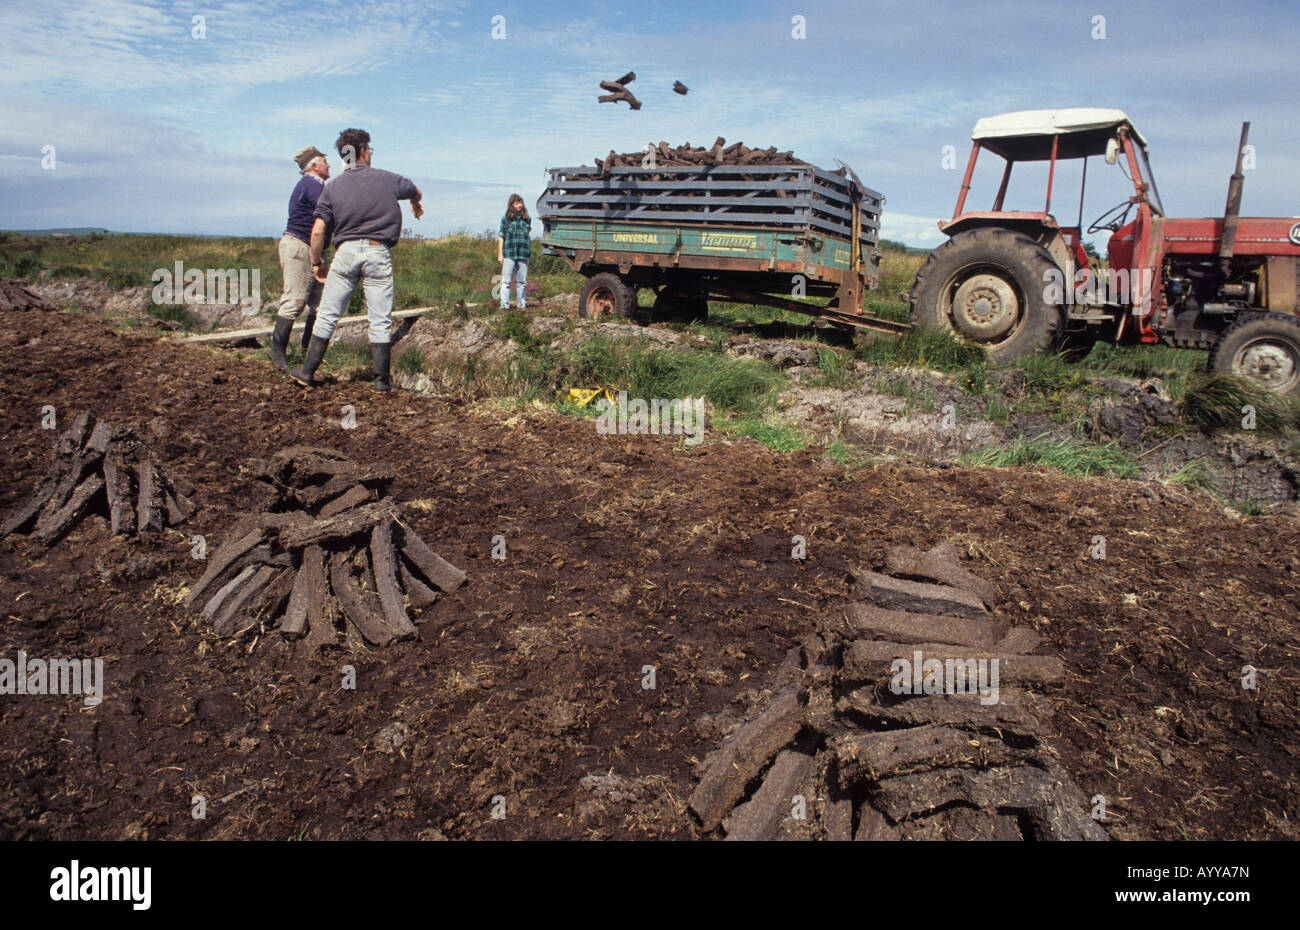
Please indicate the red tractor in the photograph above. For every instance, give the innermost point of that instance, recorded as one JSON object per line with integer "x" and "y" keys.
{"x": 1017, "y": 282}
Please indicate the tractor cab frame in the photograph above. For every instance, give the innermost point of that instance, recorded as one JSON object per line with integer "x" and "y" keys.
{"x": 1053, "y": 136}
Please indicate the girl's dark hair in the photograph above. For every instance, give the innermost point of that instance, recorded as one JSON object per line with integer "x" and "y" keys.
{"x": 511, "y": 199}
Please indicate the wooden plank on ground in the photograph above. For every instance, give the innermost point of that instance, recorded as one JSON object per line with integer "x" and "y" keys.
{"x": 233, "y": 335}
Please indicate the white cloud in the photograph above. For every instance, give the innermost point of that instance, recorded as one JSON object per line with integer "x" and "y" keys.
{"x": 126, "y": 173}
{"x": 912, "y": 230}
{"x": 317, "y": 115}
{"x": 108, "y": 47}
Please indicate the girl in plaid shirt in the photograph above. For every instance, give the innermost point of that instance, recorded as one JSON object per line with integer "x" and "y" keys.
{"x": 513, "y": 250}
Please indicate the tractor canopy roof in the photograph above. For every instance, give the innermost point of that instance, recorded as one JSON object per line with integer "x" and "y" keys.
{"x": 1027, "y": 135}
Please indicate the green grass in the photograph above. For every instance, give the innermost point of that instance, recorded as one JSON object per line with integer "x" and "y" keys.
{"x": 1072, "y": 456}
{"x": 586, "y": 411}
{"x": 536, "y": 372}
{"x": 734, "y": 315}
{"x": 410, "y": 362}
{"x": 739, "y": 385}
{"x": 848, "y": 455}
{"x": 998, "y": 410}
{"x": 1193, "y": 474}
{"x": 1176, "y": 368}
{"x": 897, "y": 384}
{"x": 897, "y": 272}
{"x": 1047, "y": 374}
{"x": 1219, "y": 402}
{"x": 919, "y": 348}
{"x": 456, "y": 270}
{"x": 343, "y": 358}
{"x": 833, "y": 369}
{"x": 177, "y": 313}
{"x": 775, "y": 435}
{"x": 513, "y": 324}
{"x": 896, "y": 310}
{"x": 917, "y": 394}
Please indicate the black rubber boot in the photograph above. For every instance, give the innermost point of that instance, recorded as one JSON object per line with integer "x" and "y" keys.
{"x": 381, "y": 354}
{"x": 280, "y": 342}
{"x": 309, "y": 321}
{"x": 315, "y": 352}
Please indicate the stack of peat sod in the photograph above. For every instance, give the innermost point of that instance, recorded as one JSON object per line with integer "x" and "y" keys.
{"x": 837, "y": 745}
{"x": 16, "y": 295}
{"x": 326, "y": 547}
{"x": 666, "y": 156}
{"x": 101, "y": 469}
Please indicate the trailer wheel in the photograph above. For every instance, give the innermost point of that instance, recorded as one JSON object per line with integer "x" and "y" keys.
{"x": 695, "y": 310}
{"x": 1261, "y": 347}
{"x": 680, "y": 307}
{"x": 607, "y": 294}
{"x": 986, "y": 286}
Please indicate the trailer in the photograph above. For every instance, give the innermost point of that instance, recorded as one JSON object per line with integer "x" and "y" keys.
{"x": 779, "y": 235}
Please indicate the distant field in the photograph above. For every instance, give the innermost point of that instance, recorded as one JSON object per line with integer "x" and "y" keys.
{"x": 456, "y": 267}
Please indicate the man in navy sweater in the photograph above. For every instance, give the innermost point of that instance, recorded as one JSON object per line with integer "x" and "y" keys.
{"x": 301, "y": 289}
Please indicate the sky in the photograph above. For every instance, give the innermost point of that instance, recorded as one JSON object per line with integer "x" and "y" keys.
{"x": 158, "y": 125}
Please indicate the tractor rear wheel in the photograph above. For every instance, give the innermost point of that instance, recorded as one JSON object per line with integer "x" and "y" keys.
{"x": 607, "y": 294}
{"x": 1263, "y": 348}
{"x": 986, "y": 286}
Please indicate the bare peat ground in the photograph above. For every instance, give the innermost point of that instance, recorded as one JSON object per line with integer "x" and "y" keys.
{"x": 623, "y": 552}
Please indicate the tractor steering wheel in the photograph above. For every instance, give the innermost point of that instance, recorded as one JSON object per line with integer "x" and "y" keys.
{"x": 1121, "y": 211}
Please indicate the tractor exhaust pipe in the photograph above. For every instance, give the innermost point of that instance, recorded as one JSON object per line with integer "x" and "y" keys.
{"x": 1228, "y": 241}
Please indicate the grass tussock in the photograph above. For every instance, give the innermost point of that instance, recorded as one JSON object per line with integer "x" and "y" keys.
{"x": 1072, "y": 456}
{"x": 833, "y": 369}
{"x": 175, "y": 313}
{"x": 1223, "y": 402}
{"x": 1195, "y": 474}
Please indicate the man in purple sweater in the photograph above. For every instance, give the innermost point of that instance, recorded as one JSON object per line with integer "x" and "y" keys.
{"x": 301, "y": 289}
{"x": 362, "y": 208}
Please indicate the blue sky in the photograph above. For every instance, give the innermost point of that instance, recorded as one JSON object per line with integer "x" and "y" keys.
{"x": 155, "y": 130}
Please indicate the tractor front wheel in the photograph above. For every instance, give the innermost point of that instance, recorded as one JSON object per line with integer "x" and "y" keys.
{"x": 1261, "y": 347}
{"x": 987, "y": 286}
